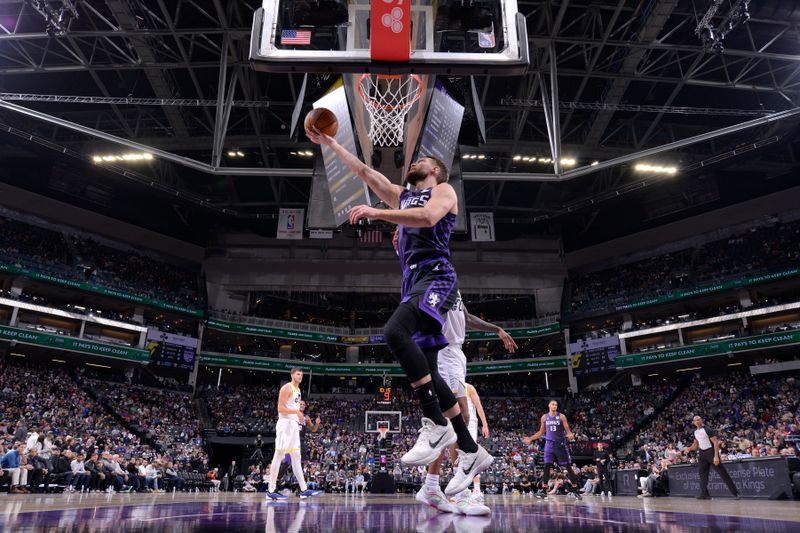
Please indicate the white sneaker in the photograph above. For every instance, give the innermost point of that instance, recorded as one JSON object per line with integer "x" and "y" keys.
{"x": 478, "y": 497}
{"x": 466, "y": 504}
{"x": 435, "y": 498}
{"x": 469, "y": 466}
{"x": 430, "y": 443}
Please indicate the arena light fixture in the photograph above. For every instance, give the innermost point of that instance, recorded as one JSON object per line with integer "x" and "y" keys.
{"x": 517, "y": 157}
{"x": 689, "y": 369}
{"x": 126, "y": 157}
{"x": 58, "y": 360}
{"x": 595, "y": 163}
{"x": 651, "y": 375}
{"x": 734, "y": 364}
{"x": 97, "y": 365}
{"x": 568, "y": 161}
{"x": 656, "y": 169}
{"x": 17, "y": 354}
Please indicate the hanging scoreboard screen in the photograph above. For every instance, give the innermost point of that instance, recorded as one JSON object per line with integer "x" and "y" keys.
{"x": 594, "y": 355}
{"x": 384, "y": 395}
{"x": 170, "y": 350}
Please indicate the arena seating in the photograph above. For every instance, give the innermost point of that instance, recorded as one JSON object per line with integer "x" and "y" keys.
{"x": 84, "y": 259}
{"x": 759, "y": 250}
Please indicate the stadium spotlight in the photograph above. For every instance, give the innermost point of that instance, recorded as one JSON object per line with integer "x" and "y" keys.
{"x": 656, "y": 169}
{"x": 595, "y": 163}
{"x": 567, "y": 161}
{"x": 517, "y": 157}
{"x": 130, "y": 156}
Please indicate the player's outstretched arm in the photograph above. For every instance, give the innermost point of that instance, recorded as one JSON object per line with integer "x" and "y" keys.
{"x": 387, "y": 191}
{"x": 443, "y": 200}
{"x": 474, "y": 322}
{"x": 538, "y": 435}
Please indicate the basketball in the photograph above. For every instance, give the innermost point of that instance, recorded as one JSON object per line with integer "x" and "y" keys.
{"x": 324, "y": 120}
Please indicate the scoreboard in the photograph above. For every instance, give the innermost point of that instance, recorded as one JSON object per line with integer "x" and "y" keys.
{"x": 384, "y": 395}
{"x": 594, "y": 355}
{"x": 170, "y": 350}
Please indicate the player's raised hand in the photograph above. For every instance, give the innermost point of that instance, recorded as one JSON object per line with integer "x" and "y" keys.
{"x": 361, "y": 212}
{"x": 317, "y": 137}
{"x": 508, "y": 342}
{"x": 317, "y": 421}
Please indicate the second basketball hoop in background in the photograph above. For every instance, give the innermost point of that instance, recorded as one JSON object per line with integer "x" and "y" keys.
{"x": 324, "y": 120}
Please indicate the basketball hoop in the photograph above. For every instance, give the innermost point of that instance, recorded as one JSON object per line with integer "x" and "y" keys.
{"x": 388, "y": 99}
{"x": 382, "y": 432}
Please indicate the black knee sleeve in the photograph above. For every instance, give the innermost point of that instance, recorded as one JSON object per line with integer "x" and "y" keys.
{"x": 398, "y": 333}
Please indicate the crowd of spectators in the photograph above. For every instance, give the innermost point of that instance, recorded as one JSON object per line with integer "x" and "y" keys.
{"x": 54, "y": 435}
{"x": 242, "y": 409}
{"x": 98, "y": 424}
{"x": 610, "y": 414}
{"x": 167, "y": 417}
{"x": 83, "y": 259}
{"x": 760, "y": 250}
{"x": 759, "y": 417}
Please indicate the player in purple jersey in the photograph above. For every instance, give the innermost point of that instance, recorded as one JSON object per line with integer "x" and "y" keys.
{"x": 555, "y": 428}
{"x": 425, "y": 217}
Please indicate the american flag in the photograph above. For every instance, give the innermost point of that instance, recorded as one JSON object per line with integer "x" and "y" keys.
{"x": 296, "y": 37}
{"x": 372, "y": 236}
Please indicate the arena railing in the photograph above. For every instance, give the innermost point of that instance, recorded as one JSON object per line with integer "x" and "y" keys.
{"x": 343, "y": 331}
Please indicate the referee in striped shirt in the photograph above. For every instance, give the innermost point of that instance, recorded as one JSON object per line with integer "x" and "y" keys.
{"x": 705, "y": 440}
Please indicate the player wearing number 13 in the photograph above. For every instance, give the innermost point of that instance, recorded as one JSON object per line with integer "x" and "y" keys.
{"x": 555, "y": 428}
{"x": 425, "y": 216}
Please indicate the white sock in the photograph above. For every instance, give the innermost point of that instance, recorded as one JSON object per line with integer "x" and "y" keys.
{"x": 273, "y": 470}
{"x": 297, "y": 468}
{"x": 432, "y": 481}
{"x": 476, "y": 488}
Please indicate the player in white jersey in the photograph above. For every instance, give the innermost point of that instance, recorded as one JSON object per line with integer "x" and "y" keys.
{"x": 475, "y": 410}
{"x": 287, "y": 436}
{"x": 452, "y": 365}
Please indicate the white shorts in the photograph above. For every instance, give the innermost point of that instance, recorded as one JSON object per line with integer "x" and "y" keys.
{"x": 473, "y": 429}
{"x": 453, "y": 369}
{"x": 287, "y": 435}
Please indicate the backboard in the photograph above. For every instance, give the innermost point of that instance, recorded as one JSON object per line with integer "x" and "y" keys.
{"x": 375, "y": 419}
{"x": 481, "y": 37}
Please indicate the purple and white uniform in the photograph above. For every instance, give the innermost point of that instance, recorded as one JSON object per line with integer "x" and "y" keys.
{"x": 428, "y": 277}
{"x": 555, "y": 447}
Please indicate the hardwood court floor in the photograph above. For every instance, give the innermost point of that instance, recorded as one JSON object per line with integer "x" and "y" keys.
{"x": 250, "y": 512}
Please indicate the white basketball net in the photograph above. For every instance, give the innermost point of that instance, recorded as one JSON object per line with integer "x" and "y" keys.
{"x": 388, "y": 99}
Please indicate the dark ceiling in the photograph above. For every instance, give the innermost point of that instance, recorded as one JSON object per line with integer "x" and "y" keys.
{"x": 631, "y": 75}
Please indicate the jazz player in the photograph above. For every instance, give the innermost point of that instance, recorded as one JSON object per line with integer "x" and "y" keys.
{"x": 555, "y": 428}
{"x": 425, "y": 216}
{"x": 452, "y": 366}
{"x": 287, "y": 437}
{"x": 475, "y": 410}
